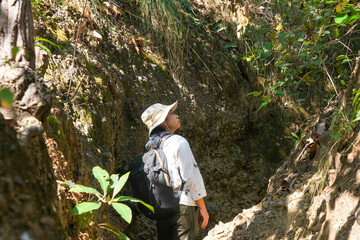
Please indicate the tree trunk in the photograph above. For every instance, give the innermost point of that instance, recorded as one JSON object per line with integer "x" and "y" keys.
{"x": 17, "y": 62}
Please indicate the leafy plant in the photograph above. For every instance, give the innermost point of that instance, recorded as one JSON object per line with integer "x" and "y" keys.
{"x": 110, "y": 186}
{"x": 316, "y": 41}
{"x": 298, "y": 137}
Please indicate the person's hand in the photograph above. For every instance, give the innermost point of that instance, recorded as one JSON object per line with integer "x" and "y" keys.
{"x": 205, "y": 217}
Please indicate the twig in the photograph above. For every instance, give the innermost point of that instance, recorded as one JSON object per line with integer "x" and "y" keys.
{"x": 337, "y": 94}
{"x": 207, "y": 68}
{"x": 330, "y": 78}
{"x": 344, "y": 45}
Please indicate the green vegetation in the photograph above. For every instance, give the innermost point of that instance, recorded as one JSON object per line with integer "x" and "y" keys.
{"x": 6, "y": 98}
{"x": 308, "y": 43}
{"x": 111, "y": 186}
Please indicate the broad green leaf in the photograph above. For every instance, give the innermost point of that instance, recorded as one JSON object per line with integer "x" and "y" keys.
{"x": 124, "y": 211}
{"x": 103, "y": 177}
{"x": 132, "y": 199}
{"x": 340, "y": 18}
{"x": 255, "y": 93}
{"x": 6, "y": 98}
{"x": 84, "y": 207}
{"x": 120, "y": 184}
{"x": 70, "y": 184}
{"x": 84, "y": 189}
{"x": 281, "y": 37}
{"x": 268, "y": 46}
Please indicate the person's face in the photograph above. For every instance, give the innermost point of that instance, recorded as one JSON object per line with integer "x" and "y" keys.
{"x": 172, "y": 121}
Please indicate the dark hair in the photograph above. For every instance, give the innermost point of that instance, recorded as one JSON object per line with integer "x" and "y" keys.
{"x": 157, "y": 130}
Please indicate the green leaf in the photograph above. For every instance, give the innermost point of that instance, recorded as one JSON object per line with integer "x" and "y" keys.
{"x": 256, "y": 93}
{"x": 103, "y": 177}
{"x": 356, "y": 119}
{"x": 217, "y": 23}
{"x": 15, "y": 51}
{"x": 70, "y": 184}
{"x": 279, "y": 93}
{"x": 120, "y": 184}
{"x": 114, "y": 230}
{"x": 264, "y": 104}
{"x": 132, "y": 199}
{"x": 340, "y": 18}
{"x": 277, "y": 85}
{"x": 268, "y": 46}
{"x": 6, "y": 97}
{"x": 265, "y": 55}
{"x": 282, "y": 37}
{"x": 45, "y": 48}
{"x": 300, "y": 100}
{"x": 84, "y": 207}
{"x": 84, "y": 189}
{"x": 353, "y": 19}
{"x": 293, "y": 93}
{"x": 124, "y": 211}
{"x": 48, "y": 41}
{"x": 294, "y": 135}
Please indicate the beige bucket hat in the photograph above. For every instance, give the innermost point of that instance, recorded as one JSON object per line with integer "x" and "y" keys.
{"x": 156, "y": 114}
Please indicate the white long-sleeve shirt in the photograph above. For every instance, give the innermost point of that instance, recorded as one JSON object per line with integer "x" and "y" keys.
{"x": 181, "y": 161}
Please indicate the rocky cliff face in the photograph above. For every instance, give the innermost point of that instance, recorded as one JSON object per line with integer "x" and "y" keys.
{"x": 314, "y": 194}
{"x": 107, "y": 71}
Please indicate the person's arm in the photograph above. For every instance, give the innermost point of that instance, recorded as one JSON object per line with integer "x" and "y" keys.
{"x": 203, "y": 212}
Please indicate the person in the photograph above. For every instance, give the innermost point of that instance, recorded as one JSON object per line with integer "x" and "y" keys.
{"x": 184, "y": 172}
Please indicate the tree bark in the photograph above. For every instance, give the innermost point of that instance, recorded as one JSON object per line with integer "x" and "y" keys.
{"x": 17, "y": 62}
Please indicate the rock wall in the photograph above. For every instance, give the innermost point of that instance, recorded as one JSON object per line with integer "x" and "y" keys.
{"x": 103, "y": 77}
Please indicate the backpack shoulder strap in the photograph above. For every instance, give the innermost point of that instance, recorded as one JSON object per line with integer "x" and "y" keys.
{"x": 163, "y": 167}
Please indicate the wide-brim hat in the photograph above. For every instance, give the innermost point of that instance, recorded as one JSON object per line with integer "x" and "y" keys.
{"x": 156, "y": 114}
